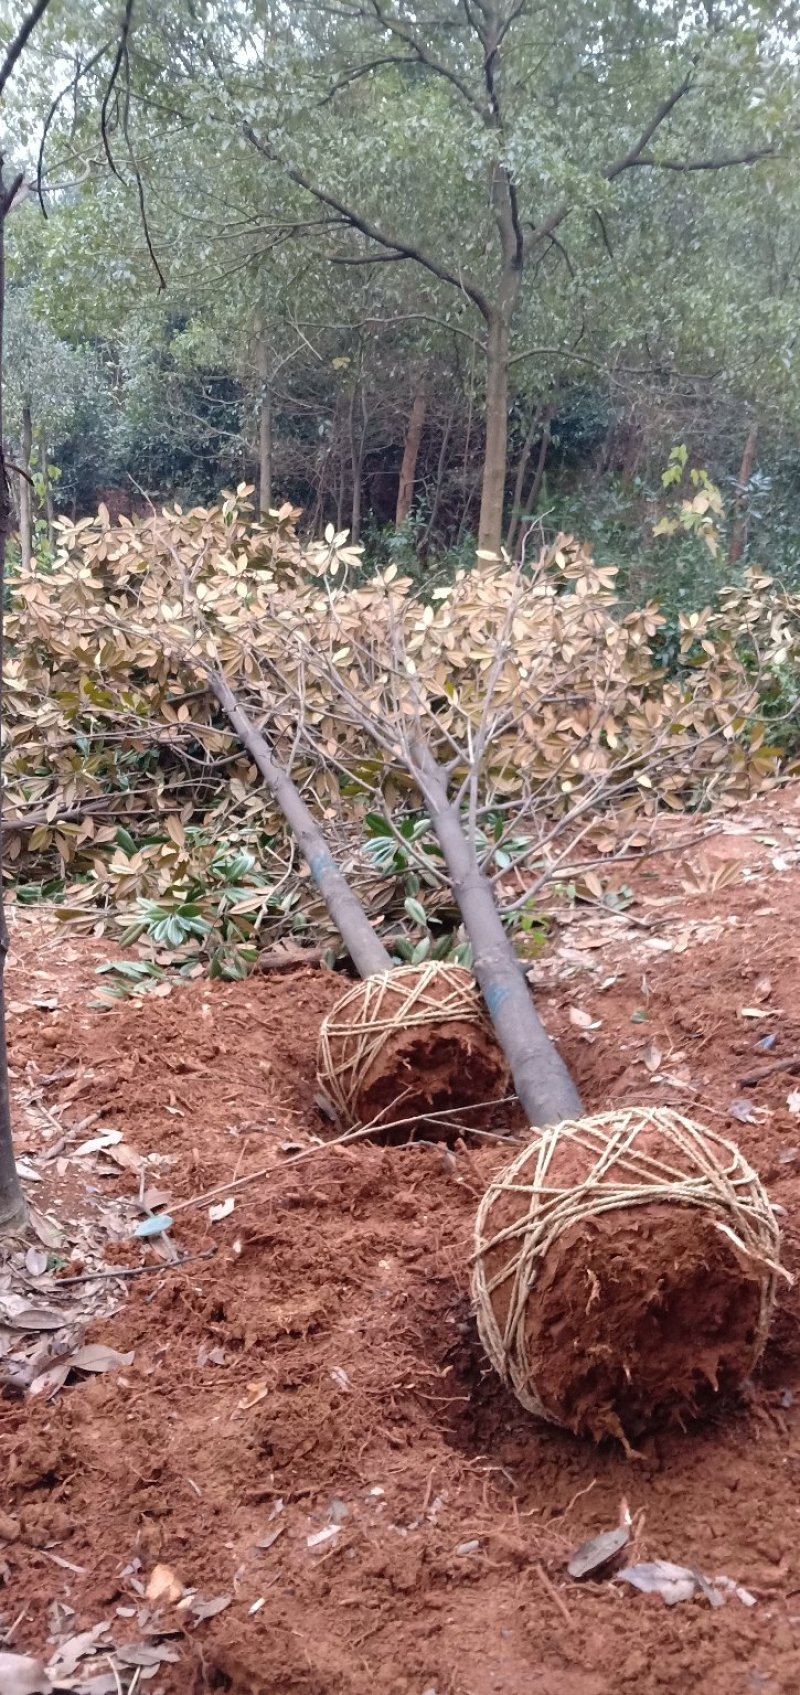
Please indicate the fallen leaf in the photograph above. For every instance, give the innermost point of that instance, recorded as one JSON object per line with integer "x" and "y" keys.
{"x": 581, "y": 1019}
{"x": 164, "y": 1585}
{"x": 69, "y": 1654}
{"x": 30, "y": 1318}
{"x": 319, "y": 1537}
{"x": 47, "y": 1231}
{"x": 755, "y": 1012}
{"x": 254, "y": 1393}
{"x": 660, "y": 1577}
{"x": 36, "y": 1262}
{"x": 592, "y": 1557}
{"x": 22, "y": 1675}
{"x": 154, "y": 1226}
{"x": 652, "y": 1057}
{"x": 267, "y": 1541}
{"x": 209, "y": 1609}
{"x": 51, "y": 1380}
{"x": 125, "y": 1157}
{"x": 95, "y": 1357}
{"x": 743, "y": 1111}
{"x": 223, "y": 1209}
{"x": 109, "y": 1139}
{"x": 340, "y": 1377}
{"x": 145, "y": 1654}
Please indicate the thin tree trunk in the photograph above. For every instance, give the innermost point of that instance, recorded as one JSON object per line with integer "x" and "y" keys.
{"x": 367, "y": 952}
{"x": 264, "y": 427}
{"x": 357, "y": 441}
{"x": 538, "y": 475}
{"x": 519, "y": 480}
{"x": 493, "y": 488}
{"x": 49, "y": 505}
{"x": 746, "y": 469}
{"x": 25, "y": 491}
{"x": 544, "y": 1086}
{"x": 441, "y": 464}
{"x": 12, "y": 1204}
{"x": 408, "y": 469}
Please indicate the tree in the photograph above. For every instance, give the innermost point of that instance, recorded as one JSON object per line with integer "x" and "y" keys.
{"x": 531, "y": 118}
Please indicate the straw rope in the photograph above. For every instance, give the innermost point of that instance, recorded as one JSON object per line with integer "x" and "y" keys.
{"x": 718, "y": 1181}
{"x": 355, "y": 1033}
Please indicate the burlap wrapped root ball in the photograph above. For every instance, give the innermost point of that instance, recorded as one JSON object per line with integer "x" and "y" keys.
{"x": 625, "y": 1272}
{"x": 408, "y": 1043}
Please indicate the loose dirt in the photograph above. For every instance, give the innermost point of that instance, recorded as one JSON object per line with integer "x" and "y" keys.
{"x": 308, "y": 1429}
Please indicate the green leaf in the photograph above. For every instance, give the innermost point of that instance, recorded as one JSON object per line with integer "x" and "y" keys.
{"x": 416, "y": 911}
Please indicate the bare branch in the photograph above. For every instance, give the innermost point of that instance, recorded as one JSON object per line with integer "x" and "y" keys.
{"x": 21, "y": 39}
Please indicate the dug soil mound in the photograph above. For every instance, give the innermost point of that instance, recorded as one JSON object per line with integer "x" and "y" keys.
{"x": 304, "y": 1430}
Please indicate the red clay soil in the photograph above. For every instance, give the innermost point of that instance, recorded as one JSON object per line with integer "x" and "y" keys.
{"x": 336, "y": 1309}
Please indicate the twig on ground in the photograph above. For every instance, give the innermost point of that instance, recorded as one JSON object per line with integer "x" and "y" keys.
{"x": 790, "y": 1064}
{"x": 135, "y": 1270}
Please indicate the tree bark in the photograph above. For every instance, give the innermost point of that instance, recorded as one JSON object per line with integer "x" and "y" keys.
{"x": 493, "y": 485}
{"x": 49, "y": 505}
{"x": 408, "y": 469}
{"x": 25, "y": 490}
{"x": 538, "y": 476}
{"x": 544, "y": 1086}
{"x": 12, "y": 1204}
{"x": 367, "y": 952}
{"x": 264, "y": 427}
{"x": 746, "y": 469}
{"x": 519, "y": 480}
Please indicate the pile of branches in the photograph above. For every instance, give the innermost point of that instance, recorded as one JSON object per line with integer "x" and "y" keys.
{"x": 563, "y": 731}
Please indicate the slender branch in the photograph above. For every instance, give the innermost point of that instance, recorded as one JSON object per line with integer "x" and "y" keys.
{"x": 21, "y": 39}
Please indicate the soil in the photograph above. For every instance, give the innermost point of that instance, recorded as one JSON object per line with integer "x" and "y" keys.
{"x": 308, "y": 1431}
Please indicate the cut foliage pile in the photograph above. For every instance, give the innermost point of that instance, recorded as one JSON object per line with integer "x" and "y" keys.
{"x": 555, "y": 713}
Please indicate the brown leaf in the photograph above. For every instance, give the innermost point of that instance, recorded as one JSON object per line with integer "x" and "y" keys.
{"x": 254, "y": 1393}
{"x": 164, "y": 1585}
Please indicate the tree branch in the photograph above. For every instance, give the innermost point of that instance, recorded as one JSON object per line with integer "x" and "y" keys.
{"x": 21, "y": 40}
{"x": 366, "y": 228}
{"x": 750, "y": 156}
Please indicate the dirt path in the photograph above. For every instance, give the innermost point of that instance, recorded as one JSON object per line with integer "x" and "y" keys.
{"x": 307, "y": 1434}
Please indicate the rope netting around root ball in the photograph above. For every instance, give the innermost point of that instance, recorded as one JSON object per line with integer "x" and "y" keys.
{"x": 634, "y": 1158}
{"x": 374, "y": 1019}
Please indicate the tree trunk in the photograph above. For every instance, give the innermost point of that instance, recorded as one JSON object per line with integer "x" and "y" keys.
{"x": 357, "y": 439}
{"x": 493, "y": 488}
{"x": 264, "y": 428}
{"x": 49, "y": 505}
{"x": 12, "y": 1204}
{"x": 408, "y": 469}
{"x": 25, "y": 490}
{"x": 746, "y": 469}
{"x": 538, "y": 475}
{"x": 367, "y": 952}
{"x": 519, "y": 480}
{"x": 544, "y": 1086}
{"x": 425, "y": 539}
